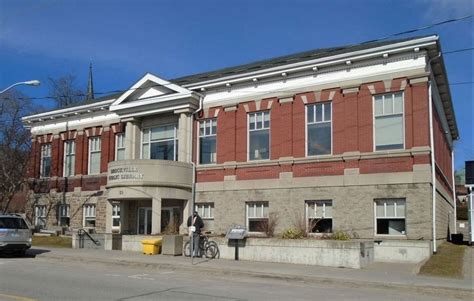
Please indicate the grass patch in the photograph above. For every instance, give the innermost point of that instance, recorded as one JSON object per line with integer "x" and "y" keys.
{"x": 448, "y": 262}
{"x": 52, "y": 241}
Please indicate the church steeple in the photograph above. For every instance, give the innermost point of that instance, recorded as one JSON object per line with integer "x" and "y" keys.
{"x": 90, "y": 86}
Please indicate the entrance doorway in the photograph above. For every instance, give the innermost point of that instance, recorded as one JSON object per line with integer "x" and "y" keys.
{"x": 170, "y": 219}
{"x": 144, "y": 221}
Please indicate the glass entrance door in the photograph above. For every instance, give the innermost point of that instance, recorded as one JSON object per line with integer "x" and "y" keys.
{"x": 144, "y": 221}
{"x": 170, "y": 219}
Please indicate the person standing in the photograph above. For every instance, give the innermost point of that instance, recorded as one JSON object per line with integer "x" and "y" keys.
{"x": 195, "y": 225}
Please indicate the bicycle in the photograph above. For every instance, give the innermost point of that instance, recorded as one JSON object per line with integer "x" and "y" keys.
{"x": 207, "y": 247}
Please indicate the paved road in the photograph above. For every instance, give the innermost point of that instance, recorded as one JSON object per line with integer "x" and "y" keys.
{"x": 25, "y": 279}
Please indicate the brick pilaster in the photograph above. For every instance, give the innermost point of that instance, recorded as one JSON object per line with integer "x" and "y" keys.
{"x": 105, "y": 149}
{"x": 55, "y": 156}
{"x": 226, "y": 135}
{"x": 80, "y": 153}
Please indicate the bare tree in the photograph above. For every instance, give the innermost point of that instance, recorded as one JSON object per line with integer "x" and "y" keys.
{"x": 65, "y": 92}
{"x": 14, "y": 145}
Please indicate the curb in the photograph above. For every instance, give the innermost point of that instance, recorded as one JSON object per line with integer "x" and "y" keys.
{"x": 419, "y": 289}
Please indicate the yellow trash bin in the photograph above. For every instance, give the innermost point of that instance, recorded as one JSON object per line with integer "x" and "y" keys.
{"x": 151, "y": 246}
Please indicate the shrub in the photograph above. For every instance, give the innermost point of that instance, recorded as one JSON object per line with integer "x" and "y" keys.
{"x": 268, "y": 227}
{"x": 341, "y": 235}
{"x": 293, "y": 233}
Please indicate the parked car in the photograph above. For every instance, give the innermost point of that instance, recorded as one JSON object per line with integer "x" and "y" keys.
{"x": 15, "y": 235}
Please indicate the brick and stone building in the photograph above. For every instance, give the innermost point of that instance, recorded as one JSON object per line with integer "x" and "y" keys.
{"x": 356, "y": 138}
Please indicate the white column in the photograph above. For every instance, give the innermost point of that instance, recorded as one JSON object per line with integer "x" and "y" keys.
{"x": 183, "y": 137}
{"x": 108, "y": 217}
{"x": 132, "y": 140}
{"x": 129, "y": 140}
{"x": 156, "y": 215}
{"x": 124, "y": 216}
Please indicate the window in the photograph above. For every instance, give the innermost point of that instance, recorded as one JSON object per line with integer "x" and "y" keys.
{"x": 94, "y": 155}
{"x": 45, "y": 171}
{"x": 390, "y": 217}
{"x": 63, "y": 213}
{"x": 319, "y": 215}
{"x": 40, "y": 215}
{"x": 69, "y": 158}
{"x": 319, "y": 129}
{"x": 160, "y": 143}
{"x": 257, "y": 216}
{"x": 388, "y": 121}
{"x": 206, "y": 212}
{"x": 119, "y": 147}
{"x": 89, "y": 215}
{"x": 207, "y": 141}
{"x": 115, "y": 215}
{"x": 259, "y": 136}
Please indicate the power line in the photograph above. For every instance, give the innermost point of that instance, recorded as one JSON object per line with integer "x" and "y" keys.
{"x": 420, "y": 28}
{"x": 458, "y": 50}
{"x": 461, "y": 83}
{"x": 380, "y": 39}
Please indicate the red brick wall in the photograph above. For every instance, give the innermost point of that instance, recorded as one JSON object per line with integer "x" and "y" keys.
{"x": 419, "y": 133}
{"x": 352, "y": 122}
{"x": 81, "y": 164}
{"x": 365, "y": 121}
{"x": 226, "y": 136}
{"x": 298, "y": 123}
{"x": 352, "y": 131}
{"x": 442, "y": 152}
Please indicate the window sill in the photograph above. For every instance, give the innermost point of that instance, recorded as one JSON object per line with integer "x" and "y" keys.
{"x": 260, "y": 161}
{"x": 394, "y": 236}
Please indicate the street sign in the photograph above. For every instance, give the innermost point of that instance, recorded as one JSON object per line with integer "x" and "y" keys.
{"x": 469, "y": 172}
{"x": 236, "y": 232}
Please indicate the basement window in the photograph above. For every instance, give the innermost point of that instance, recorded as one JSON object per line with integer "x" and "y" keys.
{"x": 390, "y": 217}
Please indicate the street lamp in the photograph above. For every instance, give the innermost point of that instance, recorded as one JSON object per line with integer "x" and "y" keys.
{"x": 34, "y": 82}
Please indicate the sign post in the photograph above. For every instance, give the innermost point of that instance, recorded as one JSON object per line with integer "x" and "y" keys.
{"x": 470, "y": 190}
{"x": 235, "y": 234}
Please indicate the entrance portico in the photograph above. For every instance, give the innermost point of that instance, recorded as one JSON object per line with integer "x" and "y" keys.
{"x": 146, "y": 190}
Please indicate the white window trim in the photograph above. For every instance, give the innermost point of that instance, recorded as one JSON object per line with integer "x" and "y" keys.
{"x": 403, "y": 120}
{"x": 206, "y": 204}
{"x": 38, "y": 216}
{"x": 116, "y": 216}
{"x": 45, "y": 145}
{"x": 60, "y": 213}
{"x": 247, "y": 218}
{"x": 146, "y": 218}
{"x": 116, "y": 144}
{"x": 90, "y": 153}
{"x": 176, "y": 140}
{"x": 385, "y": 210}
{"x": 269, "y": 135}
{"x": 84, "y": 214}
{"x": 324, "y": 213}
{"x": 66, "y": 155}
{"x": 198, "y": 150}
{"x": 306, "y": 129}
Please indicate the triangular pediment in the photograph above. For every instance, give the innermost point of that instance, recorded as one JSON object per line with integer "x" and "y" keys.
{"x": 149, "y": 88}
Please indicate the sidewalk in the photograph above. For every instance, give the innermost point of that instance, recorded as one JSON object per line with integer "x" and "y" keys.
{"x": 381, "y": 275}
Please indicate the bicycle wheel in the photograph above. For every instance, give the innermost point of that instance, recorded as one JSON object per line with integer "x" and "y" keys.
{"x": 211, "y": 250}
{"x": 187, "y": 249}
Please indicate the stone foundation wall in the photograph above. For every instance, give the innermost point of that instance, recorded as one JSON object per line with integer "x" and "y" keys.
{"x": 352, "y": 206}
{"x": 76, "y": 200}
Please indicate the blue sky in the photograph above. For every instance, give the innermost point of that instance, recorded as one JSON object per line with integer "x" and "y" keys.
{"x": 126, "y": 39}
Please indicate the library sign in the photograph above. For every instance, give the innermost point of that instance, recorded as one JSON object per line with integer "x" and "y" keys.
{"x": 125, "y": 174}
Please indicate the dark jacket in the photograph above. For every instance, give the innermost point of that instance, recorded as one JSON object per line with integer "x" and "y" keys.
{"x": 198, "y": 223}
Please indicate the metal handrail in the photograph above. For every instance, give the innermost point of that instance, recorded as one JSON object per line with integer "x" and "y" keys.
{"x": 81, "y": 233}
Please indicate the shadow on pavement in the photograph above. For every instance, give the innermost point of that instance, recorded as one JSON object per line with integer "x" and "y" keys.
{"x": 31, "y": 253}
